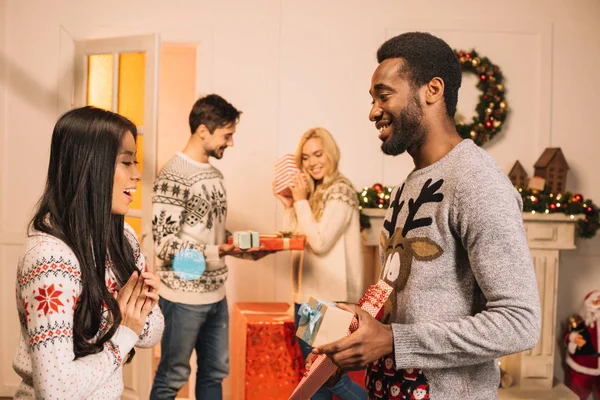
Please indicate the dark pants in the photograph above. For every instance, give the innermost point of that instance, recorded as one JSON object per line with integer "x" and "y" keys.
{"x": 204, "y": 328}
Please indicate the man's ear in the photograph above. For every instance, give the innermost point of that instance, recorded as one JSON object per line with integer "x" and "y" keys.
{"x": 434, "y": 90}
{"x": 202, "y": 131}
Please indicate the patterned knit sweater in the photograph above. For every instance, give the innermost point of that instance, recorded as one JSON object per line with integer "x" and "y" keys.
{"x": 331, "y": 266}
{"x": 48, "y": 286}
{"x": 189, "y": 203}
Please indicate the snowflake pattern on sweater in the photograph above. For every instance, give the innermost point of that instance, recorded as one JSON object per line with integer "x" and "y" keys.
{"x": 189, "y": 203}
{"x": 48, "y": 286}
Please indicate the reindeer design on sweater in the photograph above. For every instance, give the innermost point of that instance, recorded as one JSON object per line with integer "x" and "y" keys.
{"x": 399, "y": 250}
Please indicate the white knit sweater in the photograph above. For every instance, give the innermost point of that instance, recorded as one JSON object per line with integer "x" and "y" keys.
{"x": 331, "y": 266}
{"x": 48, "y": 286}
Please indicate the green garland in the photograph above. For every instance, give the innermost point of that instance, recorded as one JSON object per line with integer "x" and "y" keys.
{"x": 377, "y": 196}
{"x": 534, "y": 201}
{"x": 492, "y": 109}
{"x": 564, "y": 203}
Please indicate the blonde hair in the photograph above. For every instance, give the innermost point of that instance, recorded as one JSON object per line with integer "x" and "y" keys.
{"x": 332, "y": 175}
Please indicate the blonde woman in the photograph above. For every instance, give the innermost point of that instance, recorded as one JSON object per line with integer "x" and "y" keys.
{"x": 324, "y": 207}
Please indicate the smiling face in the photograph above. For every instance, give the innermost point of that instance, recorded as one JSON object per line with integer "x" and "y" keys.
{"x": 315, "y": 160}
{"x": 397, "y": 110}
{"x": 126, "y": 177}
{"x": 215, "y": 143}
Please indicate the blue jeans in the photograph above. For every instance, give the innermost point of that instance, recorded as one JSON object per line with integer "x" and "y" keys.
{"x": 345, "y": 389}
{"x": 204, "y": 328}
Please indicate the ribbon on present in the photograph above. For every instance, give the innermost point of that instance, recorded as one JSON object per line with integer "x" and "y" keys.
{"x": 323, "y": 367}
{"x": 286, "y": 234}
{"x": 311, "y": 316}
{"x": 286, "y": 238}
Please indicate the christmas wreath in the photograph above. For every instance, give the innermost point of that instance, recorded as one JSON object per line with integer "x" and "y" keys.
{"x": 492, "y": 108}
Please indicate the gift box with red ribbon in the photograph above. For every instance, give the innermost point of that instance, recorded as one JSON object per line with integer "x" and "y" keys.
{"x": 277, "y": 242}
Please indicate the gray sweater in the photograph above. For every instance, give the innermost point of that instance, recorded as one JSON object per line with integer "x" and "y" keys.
{"x": 454, "y": 248}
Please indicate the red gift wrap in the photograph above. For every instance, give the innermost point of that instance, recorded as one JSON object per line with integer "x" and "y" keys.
{"x": 323, "y": 367}
{"x": 266, "y": 361}
{"x": 279, "y": 241}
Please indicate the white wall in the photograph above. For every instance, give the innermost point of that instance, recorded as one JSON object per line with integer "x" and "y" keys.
{"x": 9, "y": 243}
{"x": 290, "y": 66}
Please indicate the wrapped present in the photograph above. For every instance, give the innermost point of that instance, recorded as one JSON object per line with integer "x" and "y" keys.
{"x": 266, "y": 361}
{"x": 322, "y": 322}
{"x": 276, "y": 242}
{"x": 323, "y": 367}
{"x": 282, "y": 241}
{"x": 245, "y": 239}
{"x": 285, "y": 169}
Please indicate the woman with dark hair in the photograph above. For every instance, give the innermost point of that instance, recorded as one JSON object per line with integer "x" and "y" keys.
{"x": 85, "y": 294}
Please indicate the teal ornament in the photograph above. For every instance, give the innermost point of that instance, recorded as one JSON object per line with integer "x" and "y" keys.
{"x": 189, "y": 264}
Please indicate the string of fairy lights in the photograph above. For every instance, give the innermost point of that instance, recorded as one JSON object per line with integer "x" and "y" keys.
{"x": 534, "y": 202}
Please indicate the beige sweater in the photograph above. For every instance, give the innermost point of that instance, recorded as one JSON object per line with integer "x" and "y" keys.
{"x": 331, "y": 266}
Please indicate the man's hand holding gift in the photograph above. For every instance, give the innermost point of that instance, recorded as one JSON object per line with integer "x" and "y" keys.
{"x": 370, "y": 342}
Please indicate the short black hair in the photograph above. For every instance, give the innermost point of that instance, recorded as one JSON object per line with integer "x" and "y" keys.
{"x": 214, "y": 112}
{"x": 426, "y": 57}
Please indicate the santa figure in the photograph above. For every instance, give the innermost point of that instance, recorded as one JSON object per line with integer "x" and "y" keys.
{"x": 378, "y": 388}
{"x": 395, "y": 393}
{"x": 388, "y": 368}
{"x": 582, "y": 337}
{"x": 410, "y": 374}
{"x": 375, "y": 366}
{"x": 419, "y": 393}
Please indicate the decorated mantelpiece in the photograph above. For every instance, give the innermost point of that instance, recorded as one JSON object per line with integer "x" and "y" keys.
{"x": 373, "y": 203}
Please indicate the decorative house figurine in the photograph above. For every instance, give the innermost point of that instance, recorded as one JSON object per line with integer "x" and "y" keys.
{"x": 518, "y": 175}
{"x": 536, "y": 183}
{"x": 552, "y": 166}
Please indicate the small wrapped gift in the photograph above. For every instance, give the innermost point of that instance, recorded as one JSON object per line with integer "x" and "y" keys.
{"x": 245, "y": 239}
{"x": 285, "y": 169}
{"x": 276, "y": 242}
{"x": 322, "y": 322}
{"x": 323, "y": 367}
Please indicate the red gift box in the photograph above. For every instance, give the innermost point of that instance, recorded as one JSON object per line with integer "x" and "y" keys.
{"x": 266, "y": 361}
{"x": 323, "y": 367}
{"x": 279, "y": 241}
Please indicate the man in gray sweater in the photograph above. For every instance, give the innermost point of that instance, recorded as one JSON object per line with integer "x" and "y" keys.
{"x": 453, "y": 245}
